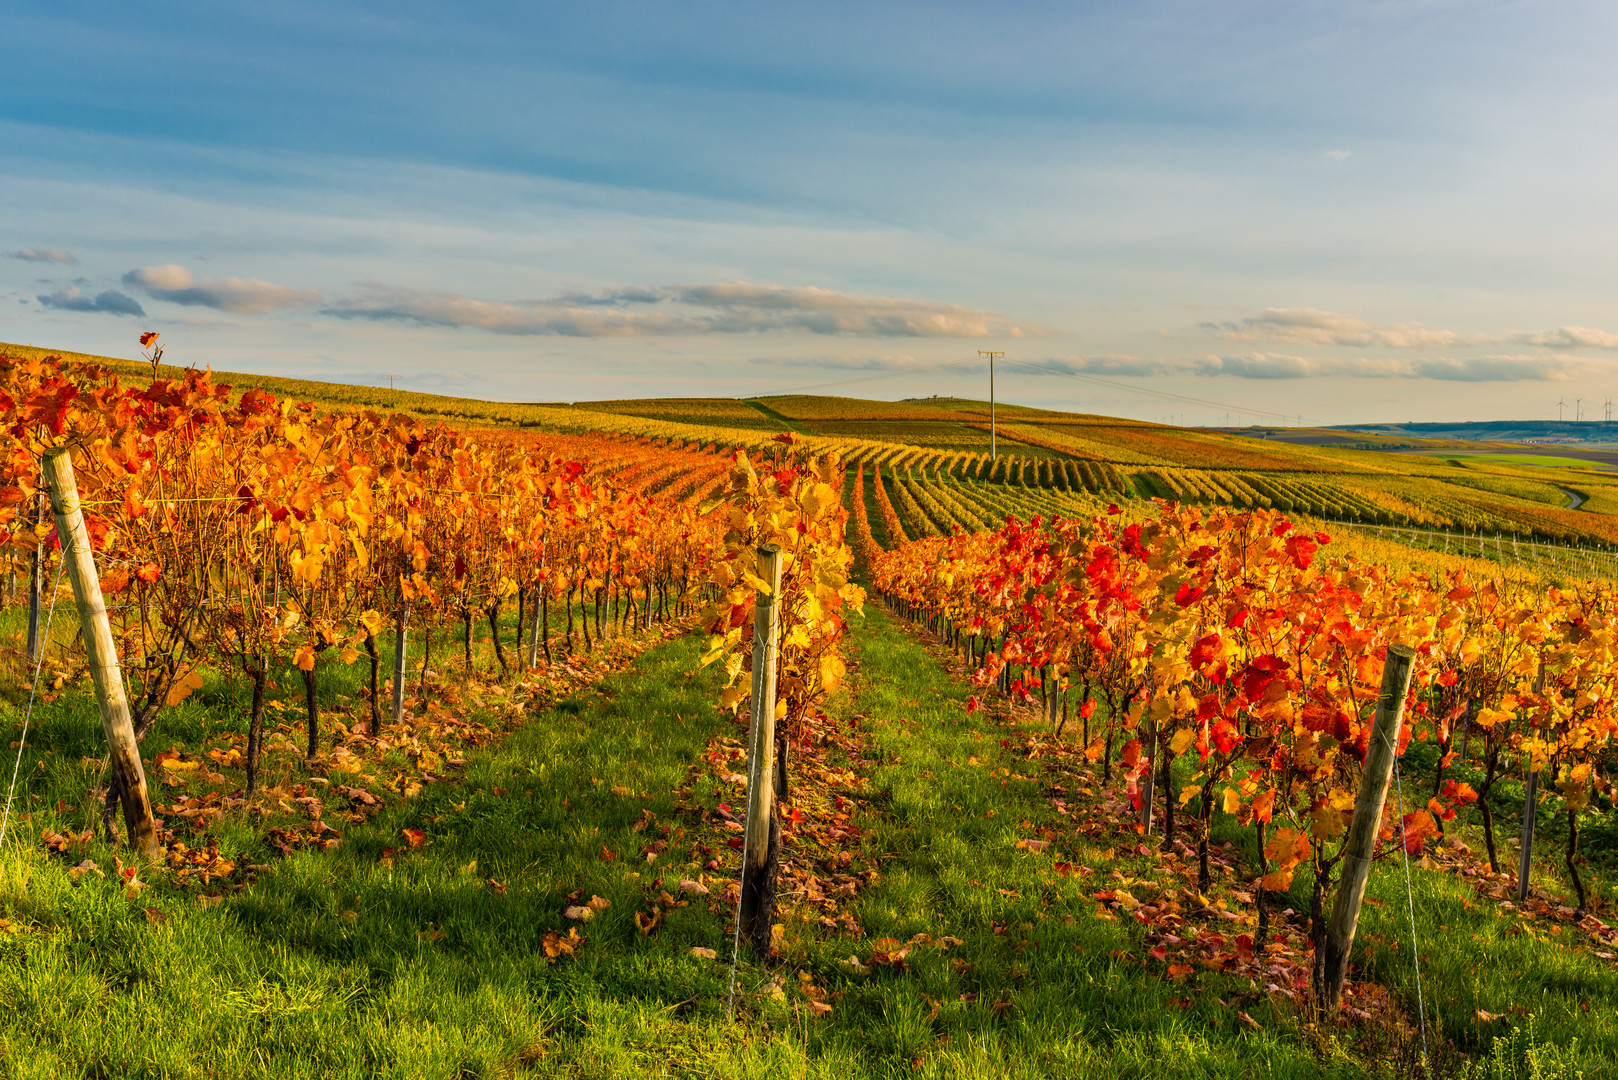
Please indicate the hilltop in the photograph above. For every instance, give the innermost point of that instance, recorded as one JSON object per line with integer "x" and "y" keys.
{"x": 930, "y": 457}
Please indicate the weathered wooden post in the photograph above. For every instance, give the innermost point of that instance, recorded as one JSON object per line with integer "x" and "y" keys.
{"x": 105, "y": 672}
{"x": 401, "y": 641}
{"x": 1373, "y": 795}
{"x": 1530, "y": 810}
{"x": 763, "y": 829}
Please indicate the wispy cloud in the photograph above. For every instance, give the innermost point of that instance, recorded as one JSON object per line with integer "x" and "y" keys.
{"x": 111, "y": 302}
{"x": 1338, "y": 155}
{"x": 243, "y": 296}
{"x": 1311, "y": 326}
{"x": 1566, "y": 337}
{"x": 728, "y": 308}
{"x": 45, "y": 255}
{"x": 1280, "y": 366}
{"x": 844, "y": 362}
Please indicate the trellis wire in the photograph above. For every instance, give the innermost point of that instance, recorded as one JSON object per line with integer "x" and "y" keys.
{"x": 1410, "y": 900}
{"x": 28, "y": 714}
{"x": 736, "y": 939}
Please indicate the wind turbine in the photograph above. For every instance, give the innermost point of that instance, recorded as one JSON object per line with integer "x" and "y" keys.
{"x": 1578, "y": 409}
{"x": 1561, "y": 403}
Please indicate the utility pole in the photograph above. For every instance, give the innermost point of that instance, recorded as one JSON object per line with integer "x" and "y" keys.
{"x": 991, "y": 356}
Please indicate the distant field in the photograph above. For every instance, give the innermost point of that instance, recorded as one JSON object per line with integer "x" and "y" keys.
{"x": 1544, "y": 461}
{"x": 932, "y": 455}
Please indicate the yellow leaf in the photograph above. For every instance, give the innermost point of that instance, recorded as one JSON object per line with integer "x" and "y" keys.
{"x": 832, "y": 670}
{"x": 1279, "y": 881}
{"x": 1182, "y": 741}
{"x": 1233, "y": 801}
{"x": 305, "y": 658}
{"x": 182, "y": 688}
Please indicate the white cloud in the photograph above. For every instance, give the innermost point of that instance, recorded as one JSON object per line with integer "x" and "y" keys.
{"x": 243, "y": 296}
{"x": 1311, "y": 326}
{"x": 1338, "y": 155}
{"x": 1282, "y": 366}
{"x": 111, "y": 302}
{"x": 1566, "y": 337}
{"x": 843, "y": 362}
{"x": 678, "y": 310}
{"x": 46, "y": 255}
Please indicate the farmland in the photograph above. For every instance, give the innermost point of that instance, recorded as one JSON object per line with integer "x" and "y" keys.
{"x": 529, "y": 859}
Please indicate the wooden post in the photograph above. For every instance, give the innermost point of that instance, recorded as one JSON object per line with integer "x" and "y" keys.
{"x": 1530, "y": 810}
{"x": 1373, "y": 795}
{"x": 401, "y": 641}
{"x": 763, "y": 831}
{"x": 123, "y": 751}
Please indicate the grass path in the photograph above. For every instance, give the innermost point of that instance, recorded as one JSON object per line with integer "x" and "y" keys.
{"x": 1040, "y": 985}
{"x": 365, "y": 962}
{"x": 977, "y": 956}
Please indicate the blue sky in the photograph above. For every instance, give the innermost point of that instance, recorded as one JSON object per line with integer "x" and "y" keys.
{"x": 1348, "y": 212}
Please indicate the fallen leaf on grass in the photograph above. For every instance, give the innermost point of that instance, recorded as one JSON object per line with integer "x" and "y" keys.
{"x": 555, "y": 945}
{"x": 703, "y": 954}
{"x": 696, "y": 888}
{"x": 819, "y": 1008}
{"x": 416, "y": 837}
{"x": 646, "y": 923}
{"x": 1247, "y": 1021}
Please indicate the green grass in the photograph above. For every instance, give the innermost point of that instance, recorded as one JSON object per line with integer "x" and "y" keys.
{"x": 1540, "y": 460}
{"x": 348, "y": 964}
{"x": 338, "y": 964}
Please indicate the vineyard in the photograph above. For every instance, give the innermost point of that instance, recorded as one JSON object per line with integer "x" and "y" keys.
{"x": 476, "y": 739}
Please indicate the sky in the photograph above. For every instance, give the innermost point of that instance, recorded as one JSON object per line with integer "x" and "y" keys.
{"x": 1202, "y": 213}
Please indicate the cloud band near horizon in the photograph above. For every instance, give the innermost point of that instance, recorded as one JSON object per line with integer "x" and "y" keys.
{"x": 684, "y": 310}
